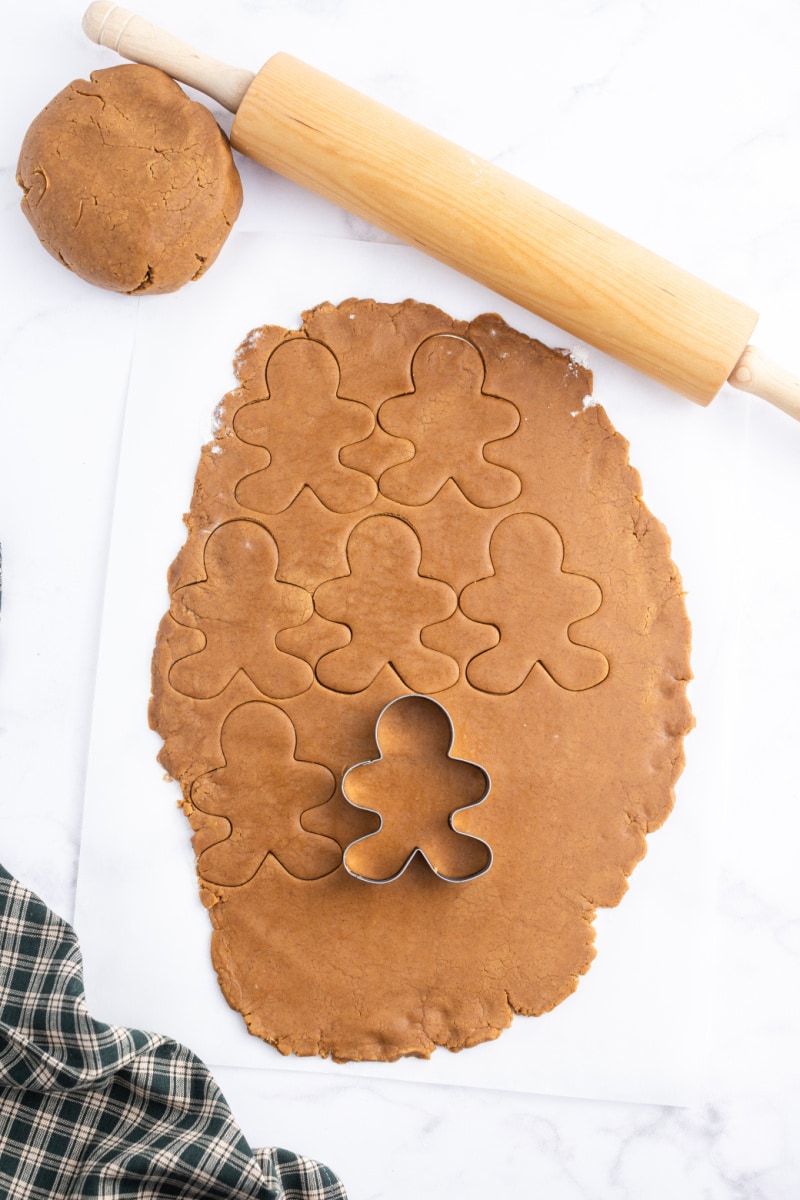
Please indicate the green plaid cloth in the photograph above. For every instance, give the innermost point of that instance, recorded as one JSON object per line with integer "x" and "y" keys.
{"x": 93, "y": 1110}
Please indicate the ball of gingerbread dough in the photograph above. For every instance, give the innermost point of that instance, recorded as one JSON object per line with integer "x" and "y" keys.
{"x": 128, "y": 182}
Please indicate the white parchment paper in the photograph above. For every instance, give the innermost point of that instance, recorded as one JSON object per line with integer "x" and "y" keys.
{"x": 636, "y": 1028}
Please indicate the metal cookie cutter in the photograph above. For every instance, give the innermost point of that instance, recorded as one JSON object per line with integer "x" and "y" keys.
{"x": 391, "y": 765}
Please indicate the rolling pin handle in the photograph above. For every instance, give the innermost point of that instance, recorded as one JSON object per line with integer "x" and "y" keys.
{"x": 134, "y": 38}
{"x": 758, "y": 375}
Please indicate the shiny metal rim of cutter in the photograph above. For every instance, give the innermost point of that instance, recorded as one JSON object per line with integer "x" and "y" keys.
{"x": 417, "y": 849}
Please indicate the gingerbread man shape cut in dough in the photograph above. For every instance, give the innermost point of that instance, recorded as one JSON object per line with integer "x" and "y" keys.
{"x": 385, "y": 603}
{"x": 262, "y": 791}
{"x": 419, "y": 791}
{"x": 448, "y": 374}
{"x": 305, "y": 424}
{"x": 240, "y": 607}
{"x": 533, "y": 602}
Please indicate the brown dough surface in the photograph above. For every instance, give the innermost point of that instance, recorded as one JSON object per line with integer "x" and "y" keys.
{"x": 128, "y": 182}
{"x": 398, "y": 502}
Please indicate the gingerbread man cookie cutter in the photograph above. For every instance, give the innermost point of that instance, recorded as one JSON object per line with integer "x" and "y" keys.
{"x": 475, "y": 854}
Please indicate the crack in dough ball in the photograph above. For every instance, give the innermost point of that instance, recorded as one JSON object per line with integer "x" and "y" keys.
{"x": 128, "y": 182}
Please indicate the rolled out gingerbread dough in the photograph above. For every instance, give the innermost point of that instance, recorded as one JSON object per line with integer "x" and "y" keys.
{"x": 396, "y": 502}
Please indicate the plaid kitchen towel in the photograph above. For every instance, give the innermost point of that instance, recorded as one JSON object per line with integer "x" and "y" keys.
{"x": 93, "y": 1110}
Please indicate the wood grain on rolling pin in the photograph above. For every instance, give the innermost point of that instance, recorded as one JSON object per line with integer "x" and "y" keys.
{"x": 599, "y": 286}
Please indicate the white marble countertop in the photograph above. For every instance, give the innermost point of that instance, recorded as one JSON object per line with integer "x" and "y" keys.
{"x": 675, "y": 123}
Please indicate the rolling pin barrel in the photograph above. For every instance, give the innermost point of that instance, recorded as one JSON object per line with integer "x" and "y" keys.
{"x": 600, "y": 287}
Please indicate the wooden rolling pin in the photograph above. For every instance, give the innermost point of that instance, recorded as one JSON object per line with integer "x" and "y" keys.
{"x": 599, "y": 286}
